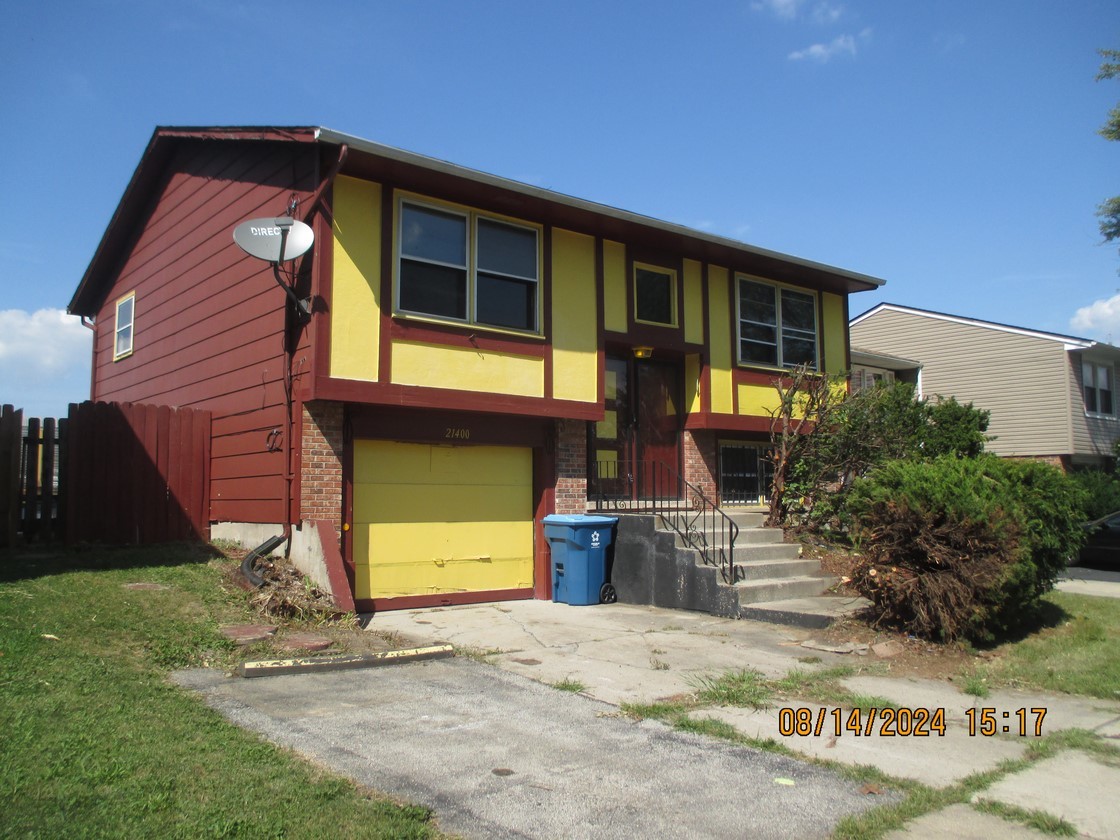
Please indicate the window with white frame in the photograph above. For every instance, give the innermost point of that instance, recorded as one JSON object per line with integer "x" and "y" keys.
{"x": 1096, "y": 380}
{"x": 777, "y": 325}
{"x": 865, "y": 378}
{"x": 124, "y": 326}
{"x": 464, "y": 266}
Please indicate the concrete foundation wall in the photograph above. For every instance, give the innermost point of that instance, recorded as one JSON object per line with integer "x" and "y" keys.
{"x": 649, "y": 568}
{"x": 306, "y": 553}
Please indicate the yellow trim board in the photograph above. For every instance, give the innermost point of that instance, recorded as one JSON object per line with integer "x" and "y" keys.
{"x": 467, "y": 369}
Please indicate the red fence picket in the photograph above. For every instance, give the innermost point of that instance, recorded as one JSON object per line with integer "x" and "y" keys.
{"x": 136, "y": 474}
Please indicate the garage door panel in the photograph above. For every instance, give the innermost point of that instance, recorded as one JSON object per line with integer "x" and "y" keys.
{"x": 448, "y": 557}
{"x": 379, "y": 461}
{"x": 412, "y": 503}
{"x": 433, "y": 519}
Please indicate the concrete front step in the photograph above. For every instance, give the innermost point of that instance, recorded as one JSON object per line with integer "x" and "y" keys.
{"x": 746, "y": 517}
{"x": 759, "y": 569}
{"x": 744, "y": 554}
{"x": 781, "y": 589}
{"x": 815, "y": 612}
{"x": 746, "y": 536}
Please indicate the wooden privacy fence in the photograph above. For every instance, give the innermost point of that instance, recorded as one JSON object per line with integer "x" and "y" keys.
{"x": 116, "y": 473}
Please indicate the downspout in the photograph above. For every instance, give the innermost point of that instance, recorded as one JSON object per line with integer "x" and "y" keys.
{"x": 268, "y": 546}
{"x": 89, "y": 324}
{"x": 315, "y": 202}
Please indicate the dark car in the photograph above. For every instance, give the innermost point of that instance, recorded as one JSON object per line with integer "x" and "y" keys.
{"x": 1102, "y": 542}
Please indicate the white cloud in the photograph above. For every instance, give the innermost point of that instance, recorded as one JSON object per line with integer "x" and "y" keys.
{"x": 840, "y": 45}
{"x": 826, "y": 52}
{"x": 1100, "y": 320}
{"x": 44, "y": 361}
{"x": 785, "y": 9}
{"x": 824, "y": 12}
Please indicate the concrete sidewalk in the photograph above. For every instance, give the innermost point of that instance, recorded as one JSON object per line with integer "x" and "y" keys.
{"x": 628, "y": 654}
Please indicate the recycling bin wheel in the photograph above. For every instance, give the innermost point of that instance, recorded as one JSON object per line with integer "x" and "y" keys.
{"x": 607, "y": 595}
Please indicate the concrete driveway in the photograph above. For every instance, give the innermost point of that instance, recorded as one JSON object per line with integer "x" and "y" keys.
{"x": 497, "y": 751}
{"x": 497, "y": 755}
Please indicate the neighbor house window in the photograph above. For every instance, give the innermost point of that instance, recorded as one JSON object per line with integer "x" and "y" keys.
{"x": 655, "y": 296}
{"x": 777, "y": 325}
{"x": 467, "y": 267}
{"x": 865, "y": 378}
{"x": 1097, "y": 382}
{"x": 126, "y": 314}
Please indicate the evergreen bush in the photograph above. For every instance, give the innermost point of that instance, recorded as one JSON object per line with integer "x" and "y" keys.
{"x": 961, "y": 547}
{"x": 1102, "y": 493}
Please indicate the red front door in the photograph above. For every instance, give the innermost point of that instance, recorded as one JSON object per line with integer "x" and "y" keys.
{"x": 640, "y": 430}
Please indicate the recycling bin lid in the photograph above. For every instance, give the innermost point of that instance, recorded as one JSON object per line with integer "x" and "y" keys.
{"x": 579, "y": 519}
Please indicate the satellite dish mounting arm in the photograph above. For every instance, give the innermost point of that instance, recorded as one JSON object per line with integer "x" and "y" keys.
{"x": 302, "y": 306}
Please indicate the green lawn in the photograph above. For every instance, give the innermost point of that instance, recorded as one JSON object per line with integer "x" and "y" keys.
{"x": 1078, "y": 655}
{"x": 97, "y": 743}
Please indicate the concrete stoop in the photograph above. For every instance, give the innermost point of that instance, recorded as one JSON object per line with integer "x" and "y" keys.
{"x": 652, "y": 565}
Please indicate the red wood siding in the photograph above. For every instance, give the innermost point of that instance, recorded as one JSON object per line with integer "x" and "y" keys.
{"x": 210, "y": 321}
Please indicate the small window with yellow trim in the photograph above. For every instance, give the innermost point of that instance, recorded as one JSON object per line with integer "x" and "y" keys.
{"x": 655, "y": 295}
{"x": 125, "y": 325}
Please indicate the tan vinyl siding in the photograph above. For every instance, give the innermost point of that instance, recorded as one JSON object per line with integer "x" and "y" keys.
{"x": 1022, "y": 380}
{"x": 1091, "y": 435}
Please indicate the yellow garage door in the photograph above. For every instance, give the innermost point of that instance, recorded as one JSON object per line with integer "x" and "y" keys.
{"x": 440, "y": 519}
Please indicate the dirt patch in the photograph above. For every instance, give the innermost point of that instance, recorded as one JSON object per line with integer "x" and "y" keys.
{"x": 297, "y": 606}
{"x": 909, "y": 656}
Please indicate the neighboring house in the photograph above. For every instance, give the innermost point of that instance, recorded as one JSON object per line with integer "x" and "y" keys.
{"x": 1051, "y": 396}
{"x": 870, "y": 369}
{"x": 476, "y": 350}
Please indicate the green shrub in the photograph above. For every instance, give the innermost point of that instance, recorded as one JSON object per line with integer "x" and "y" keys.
{"x": 1102, "y": 493}
{"x": 869, "y": 428}
{"x": 962, "y": 547}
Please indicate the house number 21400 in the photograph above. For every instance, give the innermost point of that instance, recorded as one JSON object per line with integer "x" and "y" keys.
{"x": 456, "y": 434}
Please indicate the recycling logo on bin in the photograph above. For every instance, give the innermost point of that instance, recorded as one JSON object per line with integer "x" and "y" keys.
{"x": 594, "y": 539}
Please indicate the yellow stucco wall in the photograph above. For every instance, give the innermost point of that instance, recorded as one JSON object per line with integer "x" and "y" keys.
{"x": 356, "y": 281}
{"x": 614, "y": 286}
{"x": 721, "y": 340}
{"x": 575, "y": 343}
{"x": 693, "y": 302}
{"x": 835, "y": 328}
{"x": 466, "y": 369}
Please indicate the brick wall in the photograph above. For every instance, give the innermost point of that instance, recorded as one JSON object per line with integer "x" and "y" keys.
{"x": 321, "y": 477}
{"x": 571, "y": 466}
{"x": 1062, "y": 462}
{"x": 701, "y": 461}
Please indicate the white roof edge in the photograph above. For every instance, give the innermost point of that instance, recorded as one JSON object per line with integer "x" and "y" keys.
{"x": 1070, "y": 342}
{"x": 328, "y": 135}
{"x": 887, "y": 358}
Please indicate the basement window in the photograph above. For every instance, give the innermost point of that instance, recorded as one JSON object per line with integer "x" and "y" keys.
{"x": 122, "y": 332}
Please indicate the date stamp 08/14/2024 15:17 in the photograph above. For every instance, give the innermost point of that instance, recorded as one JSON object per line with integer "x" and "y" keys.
{"x": 906, "y": 722}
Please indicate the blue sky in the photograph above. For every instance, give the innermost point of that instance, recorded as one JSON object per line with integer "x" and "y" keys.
{"x": 950, "y": 148}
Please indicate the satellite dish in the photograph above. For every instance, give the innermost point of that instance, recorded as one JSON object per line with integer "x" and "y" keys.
{"x": 264, "y": 238}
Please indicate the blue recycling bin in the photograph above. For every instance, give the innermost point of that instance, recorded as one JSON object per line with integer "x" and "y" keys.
{"x": 579, "y": 557}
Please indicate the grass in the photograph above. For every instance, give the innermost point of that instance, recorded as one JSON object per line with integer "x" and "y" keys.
{"x": 1078, "y": 656}
{"x": 1038, "y": 820}
{"x": 574, "y": 686}
{"x": 97, "y": 741}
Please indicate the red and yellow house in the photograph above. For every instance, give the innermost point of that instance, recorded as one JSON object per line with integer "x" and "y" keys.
{"x": 475, "y": 348}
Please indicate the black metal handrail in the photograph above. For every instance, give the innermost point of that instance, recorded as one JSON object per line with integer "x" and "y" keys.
{"x": 655, "y": 487}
